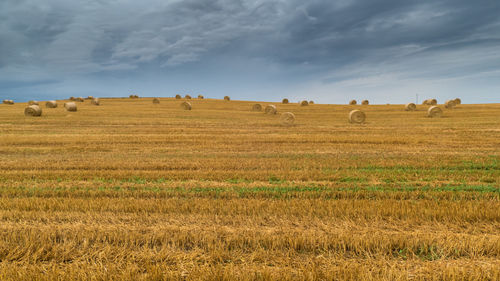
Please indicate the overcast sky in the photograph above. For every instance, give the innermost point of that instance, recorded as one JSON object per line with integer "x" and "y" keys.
{"x": 325, "y": 50}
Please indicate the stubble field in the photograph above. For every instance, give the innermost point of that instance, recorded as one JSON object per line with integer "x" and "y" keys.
{"x": 142, "y": 191}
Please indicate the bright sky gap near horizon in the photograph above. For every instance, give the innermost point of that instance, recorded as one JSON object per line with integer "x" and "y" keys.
{"x": 327, "y": 51}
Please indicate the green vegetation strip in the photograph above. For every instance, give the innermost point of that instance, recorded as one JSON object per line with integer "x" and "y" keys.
{"x": 470, "y": 192}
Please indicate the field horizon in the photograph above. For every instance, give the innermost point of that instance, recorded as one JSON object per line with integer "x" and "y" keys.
{"x": 131, "y": 190}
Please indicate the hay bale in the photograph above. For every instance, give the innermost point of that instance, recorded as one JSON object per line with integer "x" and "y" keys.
{"x": 188, "y": 97}
{"x": 410, "y": 107}
{"x": 134, "y": 96}
{"x": 33, "y": 110}
{"x": 457, "y": 101}
{"x": 156, "y": 100}
{"x": 80, "y": 99}
{"x": 311, "y": 102}
{"x": 227, "y": 98}
{"x": 287, "y": 118}
{"x": 70, "y": 106}
{"x": 257, "y": 107}
{"x": 434, "y": 111}
{"x": 365, "y": 102}
{"x": 353, "y": 102}
{"x": 33, "y": 102}
{"x": 95, "y": 101}
{"x": 10, "y": 102}
{"x": 285, "y": 101}
{"x": 178, "y": 97}
{"x": 449, "y": 104}
{"x": 90, "y": 97}
{"x": 304, "y": 103}
{"x": 186, "y": 105}
{"x": 51, "y": 104}
{"x": 270, "y": 109}
{"x": 72, "y": 98}
{"x": 357, "y": 116}
{"x": 201, "y": 97}
{"x": 429, "y": 102}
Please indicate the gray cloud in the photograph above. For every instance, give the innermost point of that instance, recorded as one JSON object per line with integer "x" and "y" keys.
{"x": 312, "y": 42}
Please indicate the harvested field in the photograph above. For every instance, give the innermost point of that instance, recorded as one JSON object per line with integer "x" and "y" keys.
{"x": 134, "y": 191}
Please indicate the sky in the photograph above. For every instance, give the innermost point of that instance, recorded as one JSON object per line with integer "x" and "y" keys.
{"x": 329, "y": 51}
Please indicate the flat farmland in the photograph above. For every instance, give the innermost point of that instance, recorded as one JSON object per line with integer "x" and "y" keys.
{"x": 131, "y": 190}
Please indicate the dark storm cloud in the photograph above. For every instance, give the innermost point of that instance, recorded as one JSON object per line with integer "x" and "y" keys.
{"x": 333, "y": 40}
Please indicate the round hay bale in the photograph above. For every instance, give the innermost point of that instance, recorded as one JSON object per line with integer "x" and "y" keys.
{"x": 287, "y": 118}
{"x": 353, "y": 102}
{"x": 365, "y": 102}
{"x": 449, "y": 104}
{"x": 186, "y": 105}
{"x": 257, "y": 107}
{"x": 410, "y": 107}
{"x": 311, "y": 102}
{"x": 72, "y": 98}
{"x": 227, "y": 98}
{"x": 285, "y": 101}
{"x": 33, "y": 102}
{"x": 201, "y": 97}
{"x": 457, "y": 101}
{"x": 425, "y": 102}
{"x": 304, "y": 103}
{"x": 357, "y": 116}
{"x": 188, "y": 97}
{"x": 270, "y": 109}
{"x": 9, "y": 102}
{"x": 70, "y": 106}
{"x": 95, "y": 101}
{"x": 80, "y": 99}
{"x": 156, "y": 100}
{"x": 433, "y": 102}
{"x": 178, "y": 97}
{"x": 33, "y": 110}
{"x": 434, "y": 111}
{"x": 90, "y": 97}
{"x": 51, "y": 104}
